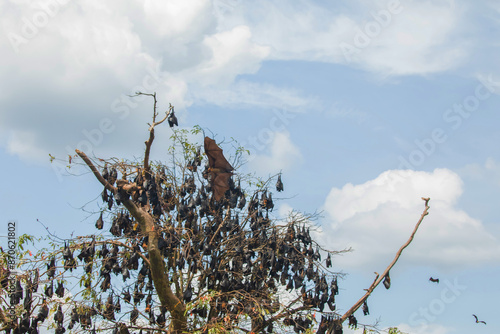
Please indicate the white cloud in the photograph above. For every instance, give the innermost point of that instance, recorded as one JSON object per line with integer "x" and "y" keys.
{"x": 416, "y": 37}
{"x": 71, "y": 69}
{"x": 176, "y": 18}
{"x": 376, "y": 218}
{"x": 283, "y": 154}
{"x": 418, "y": 40}
{"x": 232, "y": 53}
{"x": 73, "y": 63}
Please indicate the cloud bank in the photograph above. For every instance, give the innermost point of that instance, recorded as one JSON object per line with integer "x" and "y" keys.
{"x": 377, "y": 217}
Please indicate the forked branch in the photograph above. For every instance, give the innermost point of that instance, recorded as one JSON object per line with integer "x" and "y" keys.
{"x": 149, "y": 142}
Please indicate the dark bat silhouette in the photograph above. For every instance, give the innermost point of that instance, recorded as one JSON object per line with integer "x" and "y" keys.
{"x": 172, "y": 120}
{"x": 279, "y": 184}
{"x": 387, "y": 281}
{"x": 435, "y": 280}
{"x": 218, "y": 168}
{"x": 366, "y": 311}
{"x": 478, "y": 321}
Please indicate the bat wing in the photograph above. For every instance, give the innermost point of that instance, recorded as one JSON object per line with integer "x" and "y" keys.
{"x": 220, "y": 184}
{"x": 215, "y": 156}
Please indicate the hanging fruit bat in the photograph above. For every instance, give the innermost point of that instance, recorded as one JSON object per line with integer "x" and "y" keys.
{"x": 104, "y": 196}
{"x": 353, "y": 322}
{"x": 109, "y": 312}
{"x": 60, "y": 290}
{"x": 43, "y": 313}
{"x": 60, "y": 329}
{"x": 4, "y": 277}
{"x": 160, "y": 320}
{"x": 24, "y": 324}
{"x": 134, "y": 315}
{"x": 126, "y": 296}
{"x": 328, "y": 261}
{"x": 387, "y": 281}
{"x": 172, "y": 120}
{"x": 478, "y": 321}
{"x": 118, "y": 306}
{"x": 99, "y": 223}
{"x": 51, "y": 267}
{"x": 366, "y": 311}
{"x": 219, "y": 169}
{"x": 75, "y": 317}
{"x": 49, "y": 289}
{"x": 435, "y": 280}
{"x": 279, "y": 184}
{"x": 28, "y": 298}
{"x": 188, "y": 294}
{"x": 59, "y": 316}
{"x": 334, "y": 287}
{"x": 18, "y": 292}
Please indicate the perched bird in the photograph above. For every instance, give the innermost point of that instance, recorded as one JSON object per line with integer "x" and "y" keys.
{"x": 435, "y": 280}
{"x": 478, "y": 321}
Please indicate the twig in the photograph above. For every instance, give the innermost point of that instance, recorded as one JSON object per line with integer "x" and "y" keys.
{"x": 48, "y": 231}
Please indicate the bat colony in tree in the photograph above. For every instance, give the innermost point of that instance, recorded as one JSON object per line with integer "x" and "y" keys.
{"x": 176, "y": 250}
{"x": 179, "y": 249}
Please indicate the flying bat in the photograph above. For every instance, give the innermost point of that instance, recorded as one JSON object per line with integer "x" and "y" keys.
{"x": 435, "y": 280}
{"x": 219, "y": 168}
{"x": 478, "y": 321}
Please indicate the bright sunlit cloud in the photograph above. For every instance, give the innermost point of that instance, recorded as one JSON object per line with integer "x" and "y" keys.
{"x": 377, "y": 217}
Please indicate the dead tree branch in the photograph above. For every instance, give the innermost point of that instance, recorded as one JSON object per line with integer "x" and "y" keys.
{"x": 380, "y": 278}
{"x": 157, "y": 264}
{"x": 149, "y": 142}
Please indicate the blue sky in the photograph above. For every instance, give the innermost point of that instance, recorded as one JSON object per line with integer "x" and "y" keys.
{"x": 365, "y": 107}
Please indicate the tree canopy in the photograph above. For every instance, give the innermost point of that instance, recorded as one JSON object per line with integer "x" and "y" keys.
{"x": 188, "y": 245}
